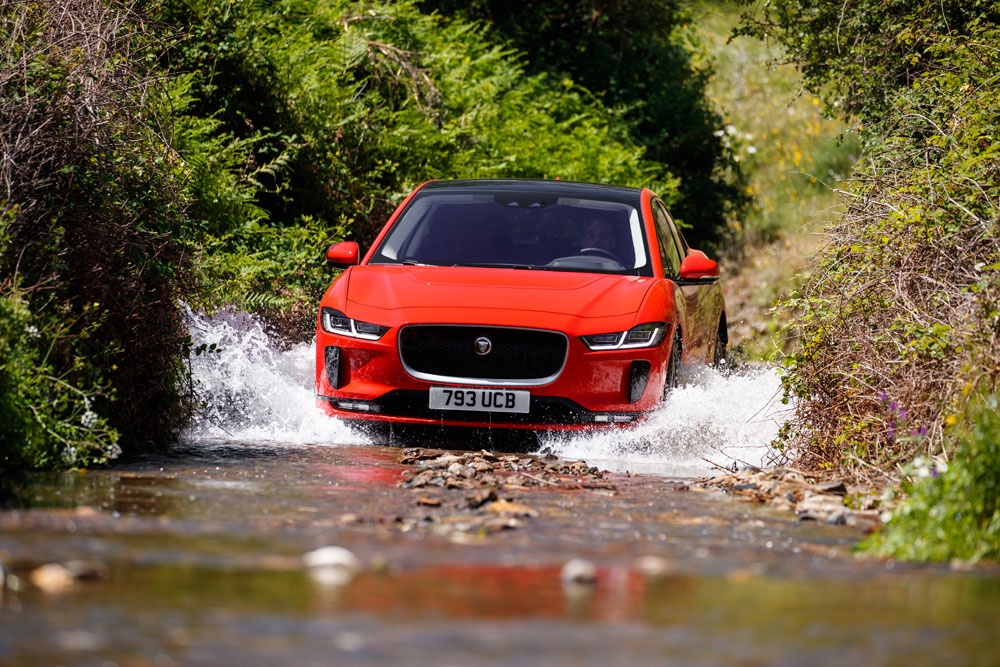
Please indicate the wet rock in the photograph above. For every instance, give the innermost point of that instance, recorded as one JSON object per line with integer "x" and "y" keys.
{"x": 508, "y": 507}
{"x": 487, "y": 475}
{"x": 414, "y": 454}
{"x": 461, "y": 470}
{"x": 836, "y": 487}
{"x": 654, "y": 566}
{"x": 578, "y": 571}
{"x": 332, "y": 566}
{"x": 837, "y": 517}
{"x": 60, "y": 577}
{"x": 820, "y": 508}
{"x": 52, "y": 578}
{"x": 481, "y": 497}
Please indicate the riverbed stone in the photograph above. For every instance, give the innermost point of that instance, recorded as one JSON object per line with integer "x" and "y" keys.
{"x": 654, "y": 566}
{"x": 332, "y": 566}
{"x": 578, "y": 571}
{"x": 52, "y": 578}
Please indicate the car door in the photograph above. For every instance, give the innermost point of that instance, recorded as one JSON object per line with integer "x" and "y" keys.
{"x": 670, "y": 258}
{"x": 697, "y": 298}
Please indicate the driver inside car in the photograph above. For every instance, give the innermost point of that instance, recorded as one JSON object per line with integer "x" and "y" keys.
{"x": 599, "y": 233}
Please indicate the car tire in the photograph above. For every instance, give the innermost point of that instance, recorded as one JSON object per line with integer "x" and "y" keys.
{"x": 719, "y": 351}
{"x": 670, "y": 382}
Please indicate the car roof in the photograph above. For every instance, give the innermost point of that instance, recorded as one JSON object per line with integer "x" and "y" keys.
{"x": 557, "y": 188}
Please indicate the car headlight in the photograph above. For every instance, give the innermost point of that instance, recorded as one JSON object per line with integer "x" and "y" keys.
{"x": 645, "y": 335}
{"x": 334, "y": 321}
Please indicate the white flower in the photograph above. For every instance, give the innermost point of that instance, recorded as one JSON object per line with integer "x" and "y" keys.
{"x": 751, "y": 149}
{"x": 730, "y": 129}
{"x": 89, "y": 419}
{"x": 31, "y": 330}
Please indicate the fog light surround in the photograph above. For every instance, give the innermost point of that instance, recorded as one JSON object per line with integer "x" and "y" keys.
{"x": 331, "y": 357}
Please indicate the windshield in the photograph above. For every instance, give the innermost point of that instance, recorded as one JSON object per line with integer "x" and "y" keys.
{"x": 518, "y": 230}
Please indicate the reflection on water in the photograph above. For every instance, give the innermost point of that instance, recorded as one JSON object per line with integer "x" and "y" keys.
{"x": 488, "y": 614}
{"x": 204, "y": 554}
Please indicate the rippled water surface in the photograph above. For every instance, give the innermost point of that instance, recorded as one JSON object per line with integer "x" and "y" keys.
{"x": 203, "y": 549}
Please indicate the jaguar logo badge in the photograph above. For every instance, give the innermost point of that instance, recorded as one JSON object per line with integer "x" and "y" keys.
{"x": 483, "y": 346}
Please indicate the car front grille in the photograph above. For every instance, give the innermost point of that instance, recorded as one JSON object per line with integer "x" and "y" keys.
{"x": 448, "y": 353}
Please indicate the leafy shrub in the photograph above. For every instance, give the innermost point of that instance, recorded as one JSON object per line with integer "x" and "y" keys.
{"x": 857, "y": 55}
{"x": 641, "y": 56}
{"x": 45, "y": 421}
{"x": 303, "y": 122}
{"x": 952, "y": 510}
{"x": 903, "y": 302}
{"x": 91, "y": 213}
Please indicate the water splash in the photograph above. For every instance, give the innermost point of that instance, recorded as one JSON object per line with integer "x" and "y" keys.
{"x": 725, "y": 419}
{"x": 251, "y": 390}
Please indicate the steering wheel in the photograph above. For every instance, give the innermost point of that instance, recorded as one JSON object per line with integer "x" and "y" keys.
{"x": 600, "y": 252}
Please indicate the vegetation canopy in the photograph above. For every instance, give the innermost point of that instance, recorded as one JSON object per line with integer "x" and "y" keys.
{"x": 900, "y": 321}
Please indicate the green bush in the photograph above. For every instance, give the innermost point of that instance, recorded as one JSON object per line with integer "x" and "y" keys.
{"x": 645, "y": 58}
{"x": 91, "y": 258}
{"x": 303, "y": 122}
{"x": 902, "y": 306}
{"x": 857, "y": 55}
{"x": 45, "y": 420}
{"x": 951, "y": 510}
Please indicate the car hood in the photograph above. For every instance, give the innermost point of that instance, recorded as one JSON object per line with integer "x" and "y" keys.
{"x": 565, "y": 293}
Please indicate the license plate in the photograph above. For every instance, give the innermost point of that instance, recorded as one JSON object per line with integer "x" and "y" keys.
{"x": 480, "y": 399}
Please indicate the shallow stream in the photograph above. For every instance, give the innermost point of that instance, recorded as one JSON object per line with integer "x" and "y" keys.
{"x": 198, "y": 550}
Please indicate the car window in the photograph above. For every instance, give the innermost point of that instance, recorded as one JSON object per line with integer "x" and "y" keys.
{"x": 503, "y": 229}
{"x": 676, "y": 233}
{"x": 670, "y": 253}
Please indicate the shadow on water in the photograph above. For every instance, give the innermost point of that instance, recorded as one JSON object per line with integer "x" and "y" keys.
{"x": 457, "y": 438}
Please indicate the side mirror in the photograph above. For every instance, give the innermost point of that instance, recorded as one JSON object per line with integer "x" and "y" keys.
{"x": 342, "y": 255}
{"x": 697, "y": 268}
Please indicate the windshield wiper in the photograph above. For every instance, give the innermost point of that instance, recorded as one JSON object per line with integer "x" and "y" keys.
{"x": 499, "y": 265}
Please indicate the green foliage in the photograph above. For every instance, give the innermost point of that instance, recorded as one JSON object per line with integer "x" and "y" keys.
{"x": 858, "y": 55}
{"x": 45, "y": 420}
{"x": 903, "y": 301}
{"x": 303, "y": 122}
{"x": 951, "y": 510}
{"x": 646, "y": 58}
{"x": 90, "y": 262}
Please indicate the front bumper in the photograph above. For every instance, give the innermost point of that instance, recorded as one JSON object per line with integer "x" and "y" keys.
{"x": 593, "y": 389}
{"x": 411, "y": 407}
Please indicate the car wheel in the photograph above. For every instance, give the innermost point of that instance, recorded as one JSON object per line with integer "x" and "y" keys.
{"x": 672, "y": 363}
{"x": 719, "y": 352}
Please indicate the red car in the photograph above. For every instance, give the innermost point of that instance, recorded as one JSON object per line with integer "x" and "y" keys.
{"x": 516, "y": 304}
